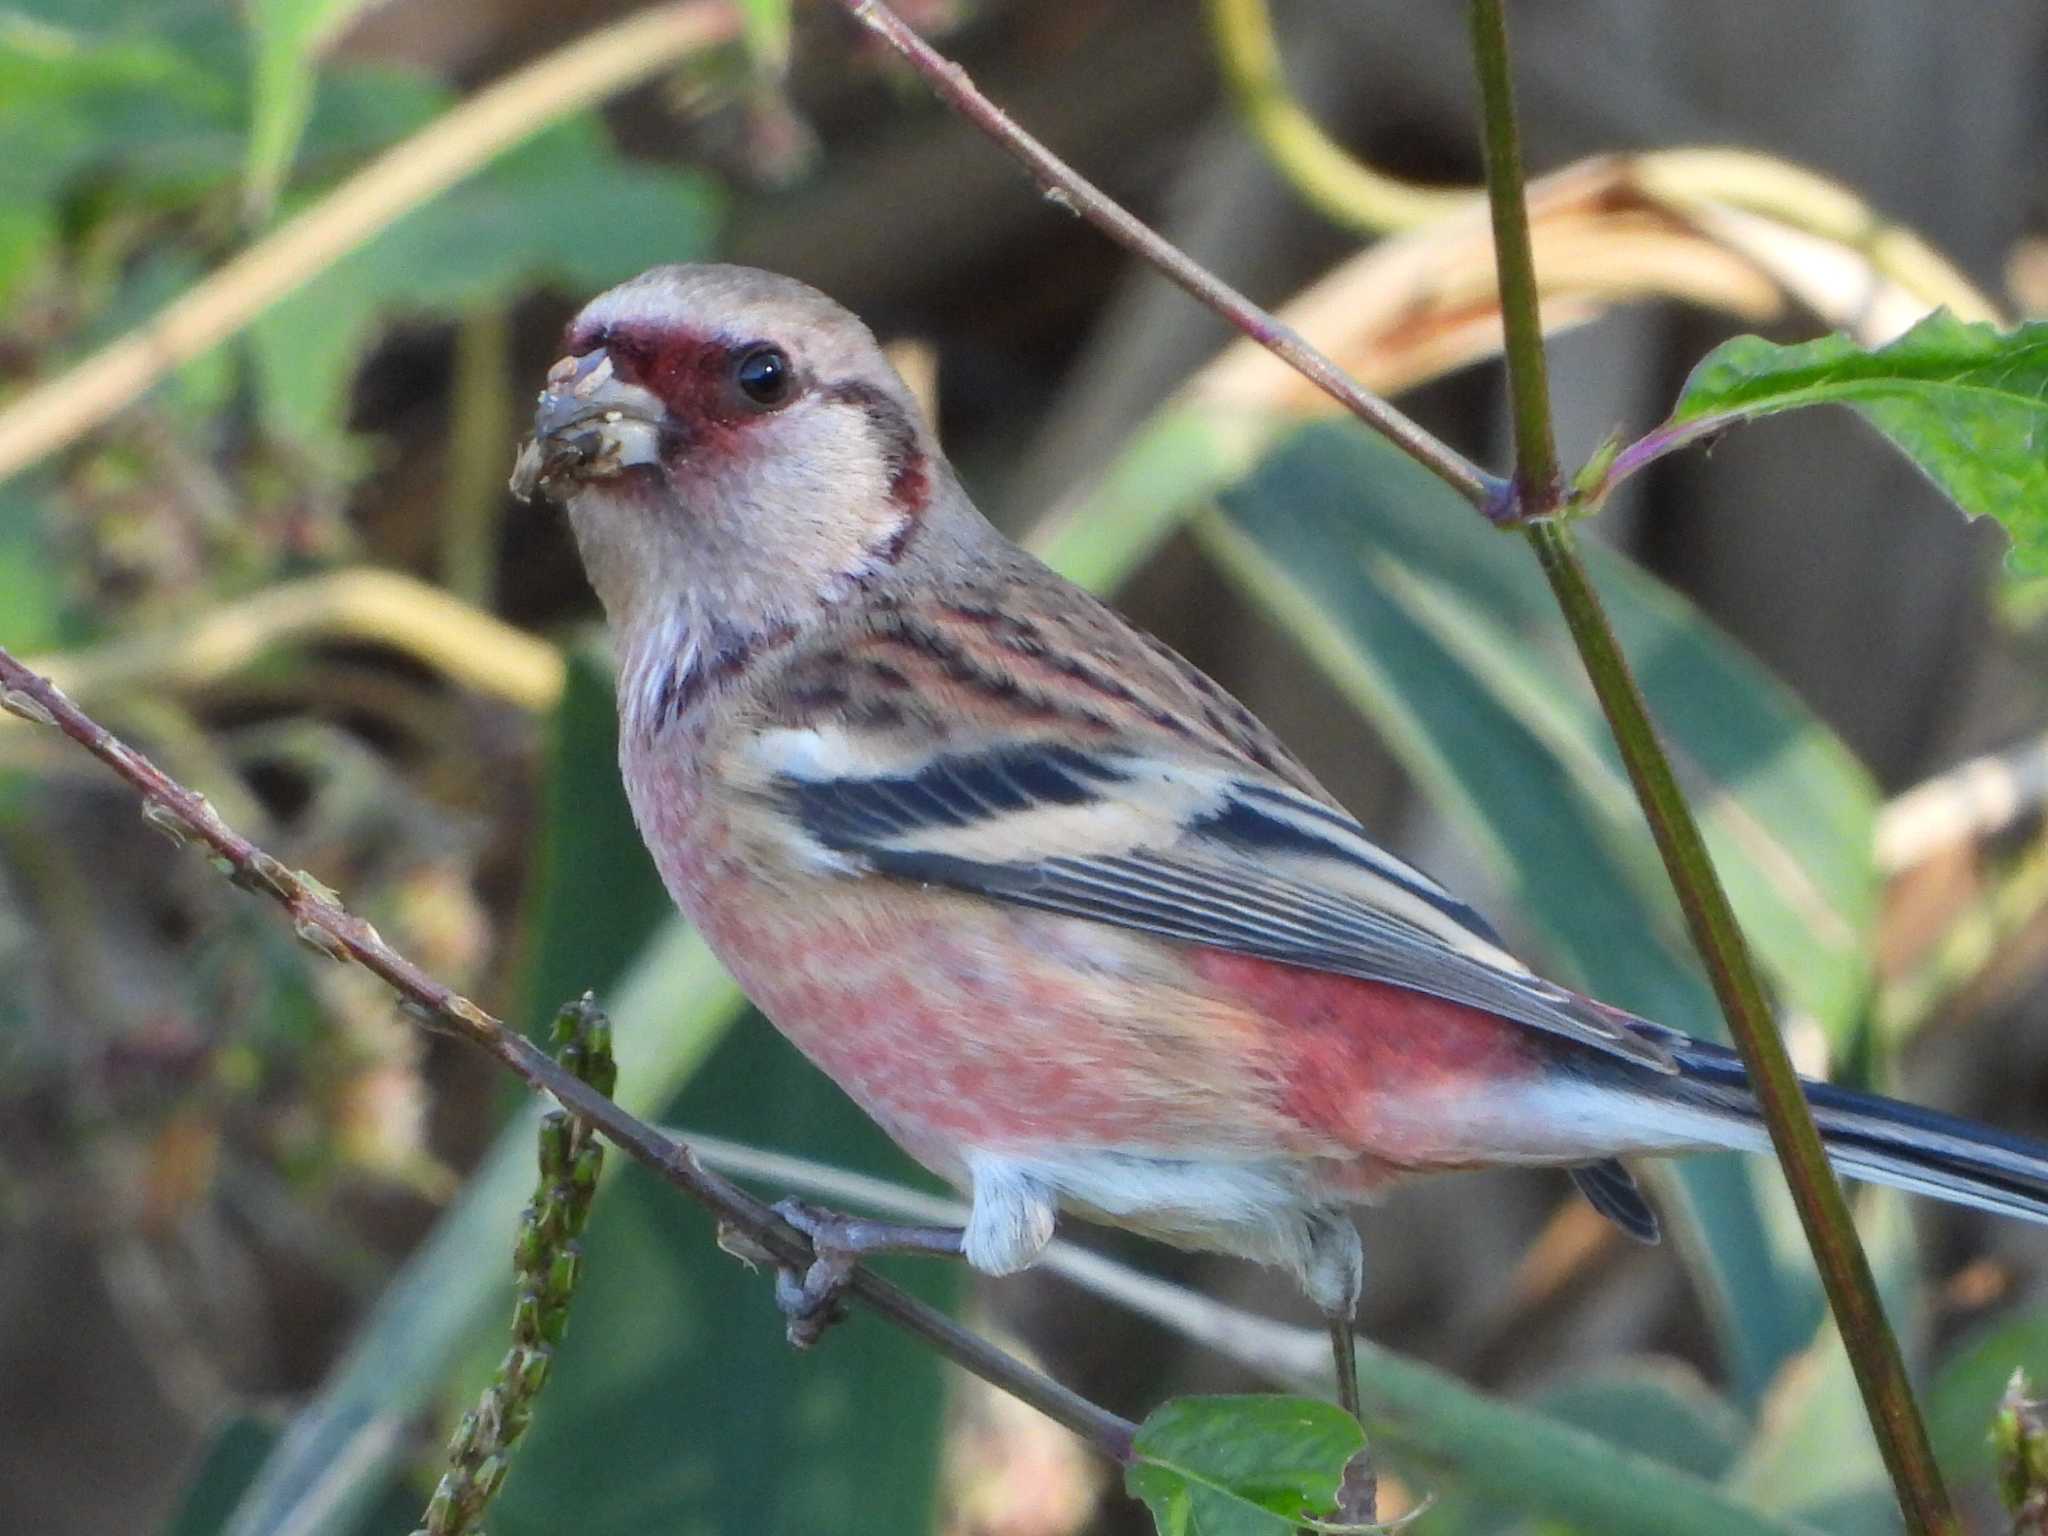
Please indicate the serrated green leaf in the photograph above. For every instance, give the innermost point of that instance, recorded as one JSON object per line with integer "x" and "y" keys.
{"x": 1241, "y": 1466}
{"x": 1966, "y": 402}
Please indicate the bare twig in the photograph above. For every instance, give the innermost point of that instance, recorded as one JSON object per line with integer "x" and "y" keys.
{"x": 324, "y": 925}
{"x": 1067, "y": 188}
{"x": 432, "y": 160}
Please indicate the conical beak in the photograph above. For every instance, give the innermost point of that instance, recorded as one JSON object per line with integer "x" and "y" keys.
{"x": 588, "y": 425}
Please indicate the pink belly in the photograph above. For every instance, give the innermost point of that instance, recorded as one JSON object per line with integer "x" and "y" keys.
{"x": 977, "y": 1033}
{"x": 960, "y": 1024}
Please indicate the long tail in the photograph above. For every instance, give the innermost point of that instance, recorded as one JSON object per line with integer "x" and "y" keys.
{"x": 1879, "y": 1139}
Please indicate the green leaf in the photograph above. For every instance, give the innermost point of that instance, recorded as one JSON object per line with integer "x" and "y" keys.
{"x": 1241, "y": 1466}
{"x": 1515, "y": 1458}
{"x": 1655, "y": 1408}
{"x": 1169, "y": 467}
{"x": 597, "y": 897}
{"x": 1815, "y": 1459}
{"x": 1966, "y": 402}
{"x": 286, "y": 40}
{"x": 232, "y": 1458}
{"x": 128, "y": 104}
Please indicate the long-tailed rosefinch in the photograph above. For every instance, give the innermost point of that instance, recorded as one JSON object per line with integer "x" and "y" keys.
{"x": 1047, "y": 902}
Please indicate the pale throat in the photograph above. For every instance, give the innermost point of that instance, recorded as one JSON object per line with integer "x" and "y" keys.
{"x": 693, "y": 626}
{"x": 700, "y": 577}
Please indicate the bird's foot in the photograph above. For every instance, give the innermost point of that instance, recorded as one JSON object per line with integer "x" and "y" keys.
{"x": 813, "y": 1301}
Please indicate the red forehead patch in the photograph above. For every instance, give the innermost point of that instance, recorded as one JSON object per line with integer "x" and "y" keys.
{"x": 689, "y": 372}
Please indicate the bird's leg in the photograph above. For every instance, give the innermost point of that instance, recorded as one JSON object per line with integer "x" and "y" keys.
{"x": 1358, "y": 1495}
{"x": 1344, "y": 1354}
{"x": 1334, "y": 1273}
{"x": 812, "y": 1301}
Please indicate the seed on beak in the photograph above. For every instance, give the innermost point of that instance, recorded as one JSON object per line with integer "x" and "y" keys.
{"x": 570, "y": 424}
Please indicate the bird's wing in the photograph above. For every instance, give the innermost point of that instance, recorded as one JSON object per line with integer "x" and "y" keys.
{"x": 1190, "y": 849}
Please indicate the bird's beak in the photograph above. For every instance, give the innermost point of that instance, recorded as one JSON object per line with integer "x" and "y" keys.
{"x": 589, "y": 424}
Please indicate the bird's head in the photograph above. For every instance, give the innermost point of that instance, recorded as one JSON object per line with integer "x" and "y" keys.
{"x": 734, "y": 451}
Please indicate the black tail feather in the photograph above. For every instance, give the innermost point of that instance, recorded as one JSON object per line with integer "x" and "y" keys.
{"x": 1611, "y": 1190}
{"x": 1885, "y": 1141}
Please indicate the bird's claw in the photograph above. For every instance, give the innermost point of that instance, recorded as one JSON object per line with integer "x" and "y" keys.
{"x": 812, "y": 1302}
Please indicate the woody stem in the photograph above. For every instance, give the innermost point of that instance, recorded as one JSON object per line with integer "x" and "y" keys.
{"x": 1540, "y": 499}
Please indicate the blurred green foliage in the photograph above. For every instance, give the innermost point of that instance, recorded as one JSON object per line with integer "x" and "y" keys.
{"x": 142, "y": 143}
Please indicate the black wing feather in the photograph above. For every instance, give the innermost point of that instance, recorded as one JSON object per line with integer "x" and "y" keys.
{"x": 1208, "y": 889}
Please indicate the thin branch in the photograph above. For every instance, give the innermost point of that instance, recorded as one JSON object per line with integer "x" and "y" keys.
{"x": 1067, "y": 188}
{"x": 1539, "y": 488}
{"x": 1823, "y": 1212}
{"x": 453, "y": 146}
{"x": 324, "y": 925}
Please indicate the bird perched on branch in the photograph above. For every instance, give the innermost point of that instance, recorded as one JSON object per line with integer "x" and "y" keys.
{"x": 1056, "y": 910}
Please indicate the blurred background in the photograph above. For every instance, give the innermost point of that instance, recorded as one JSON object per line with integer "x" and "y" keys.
{"x": 253, "y": 1224}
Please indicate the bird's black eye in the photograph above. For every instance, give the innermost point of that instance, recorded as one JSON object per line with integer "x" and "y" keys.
{"x": 765, "y": 376}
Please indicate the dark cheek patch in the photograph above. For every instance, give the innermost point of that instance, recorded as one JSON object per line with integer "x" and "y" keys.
{"x": 909, "y": 474}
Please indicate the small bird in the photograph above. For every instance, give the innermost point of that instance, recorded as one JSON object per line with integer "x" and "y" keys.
{"x": 1050, "y": 905}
